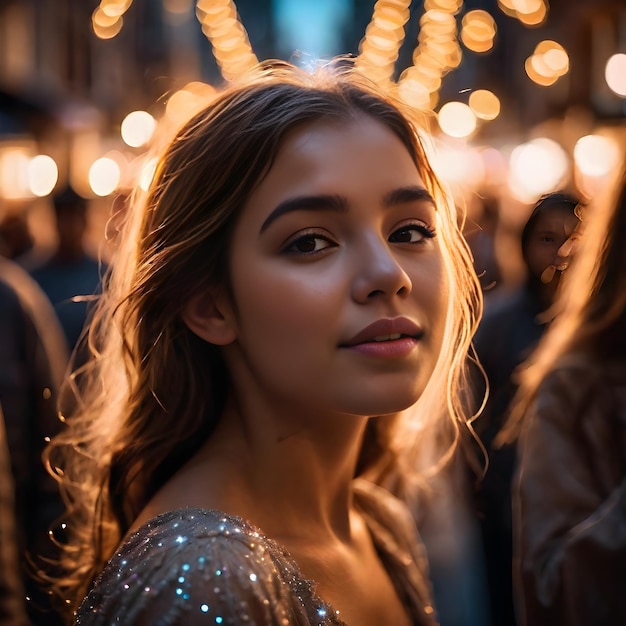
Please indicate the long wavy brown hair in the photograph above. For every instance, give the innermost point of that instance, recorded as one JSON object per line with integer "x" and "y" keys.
{"x": 152, "y": 391}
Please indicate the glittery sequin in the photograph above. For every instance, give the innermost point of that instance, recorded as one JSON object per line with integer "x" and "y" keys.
{"x": 196, "y": 567}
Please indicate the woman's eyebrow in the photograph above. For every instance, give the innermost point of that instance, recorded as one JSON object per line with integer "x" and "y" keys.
{"x": 404, "y": 195}
{"x": 339, "y": 204}
{"x": 306, "y": 203}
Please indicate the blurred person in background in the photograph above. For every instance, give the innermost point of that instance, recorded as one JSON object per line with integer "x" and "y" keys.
{"x": 508, "y": 332}
{"x": 12, "y": 607}
{"x": 33, "y": 361}
{"x": 569, "y": 417}
{"x": 70, "y": 276}
{"x": 16, "y": 240}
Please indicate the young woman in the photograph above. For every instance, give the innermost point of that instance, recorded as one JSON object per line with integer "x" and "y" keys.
{"x": 294, "y": 270}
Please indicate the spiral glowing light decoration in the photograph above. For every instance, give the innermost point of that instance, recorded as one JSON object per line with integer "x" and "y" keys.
{"x": 223, "y": 28}
{"x": 379, "y": 48}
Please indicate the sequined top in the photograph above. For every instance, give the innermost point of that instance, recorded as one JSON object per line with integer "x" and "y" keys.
{"x": 195, "y": 567}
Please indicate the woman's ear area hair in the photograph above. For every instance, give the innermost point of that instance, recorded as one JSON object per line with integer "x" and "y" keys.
{"x": 210, "y": 316}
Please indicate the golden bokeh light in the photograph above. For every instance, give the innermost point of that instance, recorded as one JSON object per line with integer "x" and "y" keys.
{"x": 115, "y": 8}
{"x": 456, "y": 119}
{"x": 536, "y": 167}
{"x": 596, "y": 155}
{"x": 548, "y": 63}
{"x": 528, "y": 12}
{"x": 43, "y": 175}
{"x": 107, "y": 32}
{"x": 478, "y": 30}
{"x": 137, "y": 128}
{"x": 485, "y": 104}
{"x": 526, "y": 7}
{"x": 104, "y": 176}
{"x": 615, "y": 74}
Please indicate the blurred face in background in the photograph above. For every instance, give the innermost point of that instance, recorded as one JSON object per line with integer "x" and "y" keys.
{"x": 552, "y": 243}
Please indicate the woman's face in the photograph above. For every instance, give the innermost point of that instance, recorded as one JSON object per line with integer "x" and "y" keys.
{"x": 550, "y": 246}
{"x": 337, "y": 277}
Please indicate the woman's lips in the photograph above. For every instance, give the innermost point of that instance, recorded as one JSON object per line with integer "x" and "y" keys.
{"x": 387, "y": 349}
{"x": 387, "y": 338}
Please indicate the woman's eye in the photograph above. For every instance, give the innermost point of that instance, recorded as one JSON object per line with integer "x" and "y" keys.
{"x": 412, "y": 233}
{"x": 308, "y": 244}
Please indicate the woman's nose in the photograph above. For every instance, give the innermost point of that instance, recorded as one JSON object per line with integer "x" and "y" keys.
{"x": 379, "y": 273}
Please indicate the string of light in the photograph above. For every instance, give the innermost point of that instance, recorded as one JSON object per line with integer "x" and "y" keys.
{"x": 223, "y": 28}
{"x": 379, "y": 48}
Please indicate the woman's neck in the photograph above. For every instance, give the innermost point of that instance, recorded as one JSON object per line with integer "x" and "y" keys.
{"x": 294, "y": 480}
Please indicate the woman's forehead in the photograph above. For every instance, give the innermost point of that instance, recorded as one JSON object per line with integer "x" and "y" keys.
{"x": 555, "y": 218}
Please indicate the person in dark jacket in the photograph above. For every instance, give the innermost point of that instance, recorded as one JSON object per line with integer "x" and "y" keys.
{"x": 70, "y": 276}
{"x": 33, "y": 360}
{"x": 12, "y": 607}
{"x": 507, "y": 334}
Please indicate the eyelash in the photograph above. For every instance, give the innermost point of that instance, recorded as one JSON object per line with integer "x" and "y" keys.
{"x": 425, "y": 231}
{"x": 290, "y": 248}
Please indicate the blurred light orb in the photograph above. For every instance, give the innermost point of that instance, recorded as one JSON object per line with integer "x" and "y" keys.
{"x": 456, "y": 119}
{"x": 106, "y": 26}
{"x": 115, "y": 8}
{"x": 43, "y": 175}
{"x": 557, "y": 60}
{"x": 485, "y": 104}
{"x": 531, "y": 65}
{"x": 529, "y": 12}
{"x": 459, "y": 166}
{"x": 451, "y": 6}
{"x": 615, "y": 74}
{"x": 537, "y": 167}
{"x": 478, "y": 31}
{"x": 102, "y": 19}
{"x": 526, "y": 6}
{"x": 104, "y": 176}
{"x": 182, "y": 104}
{"x": 137, "y": 128}
{"x": 14, "y": 162}
{"x": 548, "y": 63}
{"x": 147, "y": 173}
{"x": 413, "y": 93}
{"x": 596, "y": 155}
